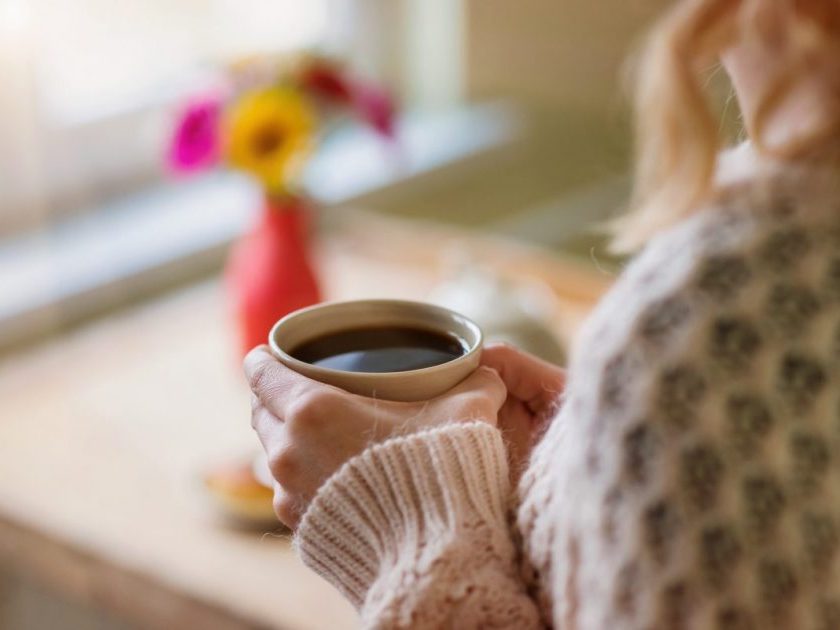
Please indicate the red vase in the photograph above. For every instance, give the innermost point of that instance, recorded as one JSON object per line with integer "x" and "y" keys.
{"x": 269, "y": 273}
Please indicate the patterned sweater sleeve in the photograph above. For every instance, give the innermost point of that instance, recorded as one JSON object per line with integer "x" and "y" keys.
{"x": 414, "y": 532}
{"x": 691, "y": 479}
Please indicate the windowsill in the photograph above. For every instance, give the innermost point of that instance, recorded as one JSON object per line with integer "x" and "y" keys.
{"x": 179, "y": 232}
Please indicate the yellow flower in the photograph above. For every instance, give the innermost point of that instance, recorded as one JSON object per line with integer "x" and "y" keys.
{"x": 270, "y": 133}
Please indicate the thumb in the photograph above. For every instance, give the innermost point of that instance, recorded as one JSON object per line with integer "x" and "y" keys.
{"x": 484, "y": 381}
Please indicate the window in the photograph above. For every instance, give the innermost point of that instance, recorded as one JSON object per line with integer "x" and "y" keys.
{"x": 86, "y": 101}
{"x": 100, "y": 56}
{"x": 87, "y": 85}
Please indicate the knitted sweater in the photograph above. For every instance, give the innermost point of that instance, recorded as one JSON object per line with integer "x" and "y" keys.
{"x": 691, "y": 479}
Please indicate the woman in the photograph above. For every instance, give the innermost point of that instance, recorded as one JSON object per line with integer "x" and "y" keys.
{"x": 691, "y": 476}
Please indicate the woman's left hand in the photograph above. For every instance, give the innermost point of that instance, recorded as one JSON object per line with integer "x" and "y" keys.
{"x": 309, "y": 429}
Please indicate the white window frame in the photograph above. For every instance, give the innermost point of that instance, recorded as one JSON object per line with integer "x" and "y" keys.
{"x": 52, "y": 169}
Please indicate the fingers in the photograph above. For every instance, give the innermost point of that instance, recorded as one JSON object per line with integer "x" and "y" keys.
{"x": 304, "y": 428}
{"x": 485, "y": 380}
{"x": 287, "y": 507}
{"x": 516, "y": 425}
{"x": 535, "y": 382}
{"x": 265, "y": 423}
{"x": 275, "y": 385}
{"x": 287, "y": 472}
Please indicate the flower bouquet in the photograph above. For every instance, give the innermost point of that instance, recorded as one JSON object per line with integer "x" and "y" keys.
{"x": 266, "y": 120}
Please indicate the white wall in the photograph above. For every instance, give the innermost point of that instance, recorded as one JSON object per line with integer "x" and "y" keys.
{"x": 565, "y": 54}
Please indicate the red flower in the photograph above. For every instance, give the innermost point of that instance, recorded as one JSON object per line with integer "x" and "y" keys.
{"x": 326, "y": 82}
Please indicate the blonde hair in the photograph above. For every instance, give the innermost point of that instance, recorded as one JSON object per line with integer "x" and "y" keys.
{"x": 677, "y": 131}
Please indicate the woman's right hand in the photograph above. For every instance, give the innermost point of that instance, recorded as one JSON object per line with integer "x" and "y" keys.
{"x": 309, "y": 429}
{"x": 534, "y": 390}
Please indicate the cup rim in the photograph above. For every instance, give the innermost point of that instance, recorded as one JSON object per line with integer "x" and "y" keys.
{"x": 298, "y": 365}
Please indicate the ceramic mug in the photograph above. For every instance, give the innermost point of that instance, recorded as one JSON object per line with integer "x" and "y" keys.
{"x": 323, "y": 319}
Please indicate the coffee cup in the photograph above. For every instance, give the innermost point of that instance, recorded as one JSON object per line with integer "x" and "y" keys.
{"x": 388, "y": 349}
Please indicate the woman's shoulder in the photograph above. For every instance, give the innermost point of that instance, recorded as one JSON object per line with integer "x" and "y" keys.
{"x": 766, "y": 247}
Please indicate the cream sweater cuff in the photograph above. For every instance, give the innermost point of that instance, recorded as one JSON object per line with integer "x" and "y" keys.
{"x": 392, "y": 505}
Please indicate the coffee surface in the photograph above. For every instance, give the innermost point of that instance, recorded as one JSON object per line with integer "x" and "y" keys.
{"x": 385, "y": 349}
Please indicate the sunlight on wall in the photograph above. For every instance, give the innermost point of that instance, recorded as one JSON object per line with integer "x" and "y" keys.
{"x": 95, "y": 55}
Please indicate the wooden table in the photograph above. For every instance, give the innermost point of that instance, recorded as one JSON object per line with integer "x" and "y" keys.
{"x": 104, "y": 433}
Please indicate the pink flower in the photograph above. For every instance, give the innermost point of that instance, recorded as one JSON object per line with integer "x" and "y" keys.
{"x": 375, "y": 106}
{"x": 196, "y": 143}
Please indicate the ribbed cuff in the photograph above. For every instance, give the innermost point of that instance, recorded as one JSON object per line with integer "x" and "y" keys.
{"x": 397, "y": 501}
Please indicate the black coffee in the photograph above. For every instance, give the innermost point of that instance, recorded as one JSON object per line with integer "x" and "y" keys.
{"x": 386, "y": 349}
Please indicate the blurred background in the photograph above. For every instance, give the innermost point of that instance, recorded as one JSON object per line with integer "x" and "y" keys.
{"x": 511, "y": 114}
{"x": 119, "y": 380}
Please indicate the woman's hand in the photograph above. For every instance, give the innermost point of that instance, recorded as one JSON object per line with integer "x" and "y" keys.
{"x": 309, "y": 429}
{"x": 534, "y": 390}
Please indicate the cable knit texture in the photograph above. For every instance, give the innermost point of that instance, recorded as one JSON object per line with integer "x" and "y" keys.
{"x": 414, "y": 532}
{"x": 691, "y": 480}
